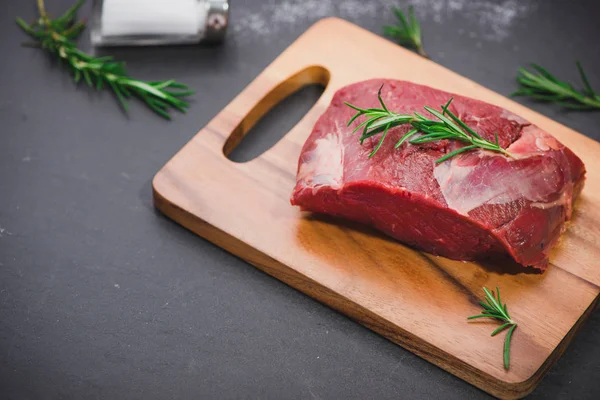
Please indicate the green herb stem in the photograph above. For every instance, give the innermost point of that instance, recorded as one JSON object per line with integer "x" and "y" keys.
{"x": 447, "y": 126}
{"x": 493, "y": 308}
{"x": 56, "y": 36}
{"x": 543, "y": 86}
{"x": 407, "y": 32}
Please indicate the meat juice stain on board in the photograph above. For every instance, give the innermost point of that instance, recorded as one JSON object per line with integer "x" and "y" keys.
{"x": 492, "y": 20}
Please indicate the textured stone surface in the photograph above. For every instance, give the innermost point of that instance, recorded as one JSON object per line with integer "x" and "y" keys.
{"x": 102, "y": 297}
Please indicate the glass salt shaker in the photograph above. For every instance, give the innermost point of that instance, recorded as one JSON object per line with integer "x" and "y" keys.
{"x": 158, "y": 22}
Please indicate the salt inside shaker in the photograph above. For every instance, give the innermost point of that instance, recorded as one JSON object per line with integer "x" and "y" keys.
{"x": 155, "y": 22}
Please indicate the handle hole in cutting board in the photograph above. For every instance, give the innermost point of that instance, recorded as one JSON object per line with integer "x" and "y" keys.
{"x": 276, "y": 114}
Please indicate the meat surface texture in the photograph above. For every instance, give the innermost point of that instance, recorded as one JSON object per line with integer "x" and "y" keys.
{"x": 476, "y": 205}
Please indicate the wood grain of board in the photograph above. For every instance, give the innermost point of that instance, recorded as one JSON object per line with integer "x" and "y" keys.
{"x": 415, "y": 299}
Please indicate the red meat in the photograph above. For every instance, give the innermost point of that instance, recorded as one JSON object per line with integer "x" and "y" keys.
{"x": 475, "y": 205}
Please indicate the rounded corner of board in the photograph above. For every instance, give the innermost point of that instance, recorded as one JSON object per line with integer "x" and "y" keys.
{"x": 518, "y": 389}
{"x": 158, "y": 191}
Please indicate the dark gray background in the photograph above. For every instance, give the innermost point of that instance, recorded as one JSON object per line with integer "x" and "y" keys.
{"x": 102, "y": 297}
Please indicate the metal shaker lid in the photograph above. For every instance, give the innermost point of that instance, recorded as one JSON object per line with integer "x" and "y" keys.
{"x": 217, "y": 20}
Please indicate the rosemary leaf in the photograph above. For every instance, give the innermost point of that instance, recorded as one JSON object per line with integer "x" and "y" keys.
{"x": 500, "y": 328}
{"x": 507, "y": 341}
{"x": 407, "y": 136}
{"x": 455, "y": 152}
{"x": 588, "y": 88}
{"x": 385, "y": 131}
{"x": 119, "y": 95}
{"x": 67, "y": 18}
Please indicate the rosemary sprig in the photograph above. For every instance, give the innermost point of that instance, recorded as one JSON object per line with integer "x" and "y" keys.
{"x": 546, "y": 87}
{"x": 493, "y": 308}
{"x": 407, "y": 32}
{"x": 57, "y": 37}
{"x": 448, "y": 126}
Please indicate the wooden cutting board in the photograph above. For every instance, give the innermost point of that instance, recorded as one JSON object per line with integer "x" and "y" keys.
{"x": 414, "y": 299}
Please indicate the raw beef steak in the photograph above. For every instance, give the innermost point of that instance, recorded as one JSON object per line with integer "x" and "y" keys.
{"x": 475, "y": 205}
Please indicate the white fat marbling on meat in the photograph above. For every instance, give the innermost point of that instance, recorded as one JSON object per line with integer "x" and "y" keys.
{"x": 466, "y": 187}
{"x": 323, "y": 165}
{"x": 546, "y": 143}
{"x": 533, "y": 141}
{"x": 513, "y": 117}
{"x": 450, "y": 177}
{"x": 563, "y": 200}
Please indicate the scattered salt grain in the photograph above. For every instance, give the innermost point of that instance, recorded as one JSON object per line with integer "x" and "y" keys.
{"x": 493, "y": 18}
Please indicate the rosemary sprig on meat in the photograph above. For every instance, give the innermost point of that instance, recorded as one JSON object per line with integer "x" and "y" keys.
{"x": 493, "y": 308}
{"x": 447, "y": 126}
{"x": 407, "y": 32}
{"x": 57, "y": 36}
{"x": 542, "y": 85}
